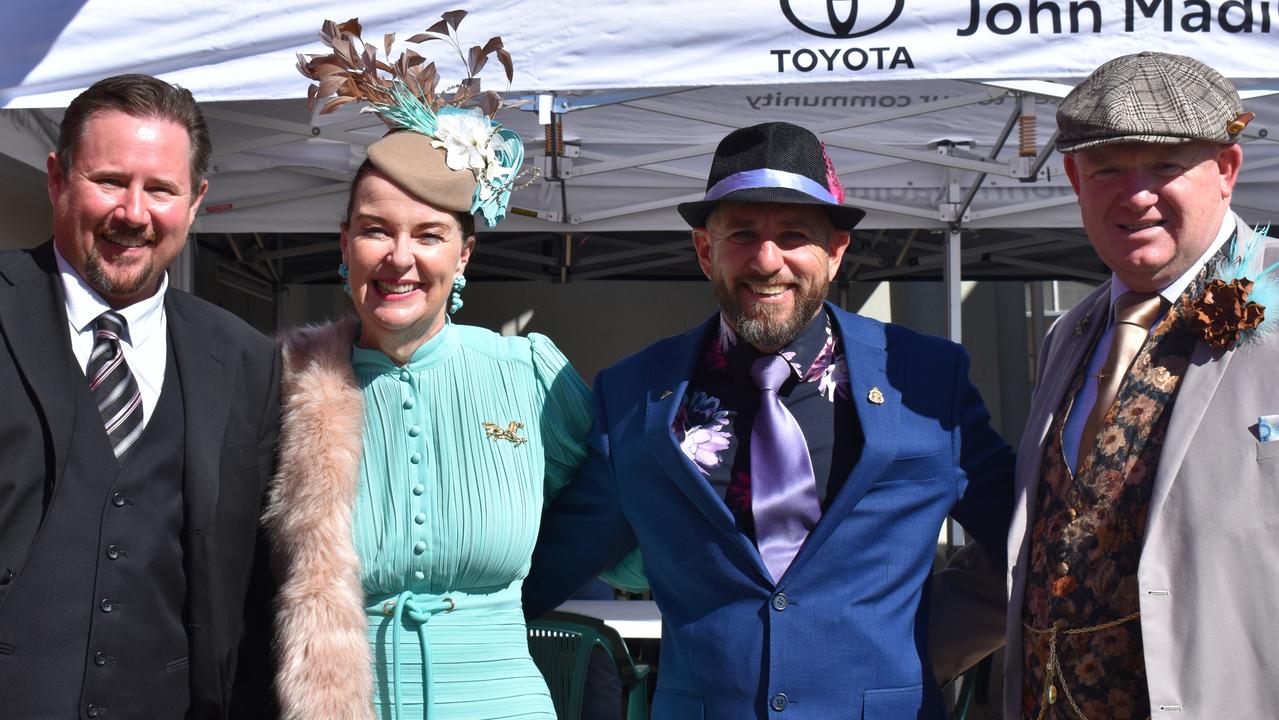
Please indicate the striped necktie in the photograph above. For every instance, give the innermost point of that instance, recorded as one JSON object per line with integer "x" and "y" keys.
{"x": 114, "y": 389}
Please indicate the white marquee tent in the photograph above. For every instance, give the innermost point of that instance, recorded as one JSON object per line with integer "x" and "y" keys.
{"x": 938, "y": 115}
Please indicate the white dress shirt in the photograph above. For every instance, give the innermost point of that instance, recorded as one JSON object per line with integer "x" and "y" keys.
{"x": 1087, "y": 396}
{"x": 145, "y": 342}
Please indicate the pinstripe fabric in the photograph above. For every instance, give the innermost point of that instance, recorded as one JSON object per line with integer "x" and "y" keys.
{"x": 114, "y": 389}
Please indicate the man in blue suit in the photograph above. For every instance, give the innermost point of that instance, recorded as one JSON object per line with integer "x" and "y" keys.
{"x": 785, "y": 469}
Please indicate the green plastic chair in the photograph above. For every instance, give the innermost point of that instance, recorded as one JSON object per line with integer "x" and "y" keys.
{"x": 561, "y": 643}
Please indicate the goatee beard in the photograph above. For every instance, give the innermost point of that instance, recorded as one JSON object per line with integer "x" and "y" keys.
{"x": 96, "y": 275}
{"x": 763, "y": 328}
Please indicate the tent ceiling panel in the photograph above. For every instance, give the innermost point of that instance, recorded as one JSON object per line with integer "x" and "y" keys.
{"x": 914, "y": 101}
{"x": 245, "y": 50}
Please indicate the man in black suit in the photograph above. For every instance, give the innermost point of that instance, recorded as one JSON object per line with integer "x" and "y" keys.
{"x": 138, "y": 429}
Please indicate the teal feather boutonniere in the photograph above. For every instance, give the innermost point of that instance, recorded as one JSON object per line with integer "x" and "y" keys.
{"x": 1231, "y": 310}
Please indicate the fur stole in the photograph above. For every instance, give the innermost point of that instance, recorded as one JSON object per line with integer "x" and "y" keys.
{"x": 325, "y": 665}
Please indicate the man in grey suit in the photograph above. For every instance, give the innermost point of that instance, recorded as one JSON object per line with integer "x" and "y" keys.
{"x": 138, "y": 429}
{"x": 1142, "y": 565}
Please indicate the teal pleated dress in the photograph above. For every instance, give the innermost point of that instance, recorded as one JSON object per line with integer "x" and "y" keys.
{"x": 459, "y": 446}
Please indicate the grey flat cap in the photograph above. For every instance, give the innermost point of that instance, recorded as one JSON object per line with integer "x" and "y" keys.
{"x": 1150, "y": 97}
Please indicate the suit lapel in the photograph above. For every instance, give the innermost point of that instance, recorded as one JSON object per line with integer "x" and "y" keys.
{"x": 1075, "y": 334}
{"x": 33, "y": 320}
{"x": 866, "y": 355}
{"x": 1203, "y": 375}
{"x": 206, "y": 400}
{"x": 669, "y": 373}
{"x": 1074, "y": 339}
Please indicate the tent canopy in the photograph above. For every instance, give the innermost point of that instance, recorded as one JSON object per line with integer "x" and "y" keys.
{"x": 937, "y": 118}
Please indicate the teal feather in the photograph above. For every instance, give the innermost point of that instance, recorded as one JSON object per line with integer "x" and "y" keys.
{"x": 509, "y": 150}
{"x": 407, "y": 112}
{"x": 1265, "y": 289}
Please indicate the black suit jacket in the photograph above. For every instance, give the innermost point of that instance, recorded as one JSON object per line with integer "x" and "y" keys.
{"x": 229, "y": 375}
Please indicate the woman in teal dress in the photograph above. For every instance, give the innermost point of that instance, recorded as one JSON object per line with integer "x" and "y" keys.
{"x": 416, "y": 454}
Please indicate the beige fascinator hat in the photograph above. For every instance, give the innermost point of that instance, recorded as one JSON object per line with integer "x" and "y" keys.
{"x": 444, "y": 147}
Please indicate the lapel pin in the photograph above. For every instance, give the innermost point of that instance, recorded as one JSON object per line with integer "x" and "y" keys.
{"x": 665, "y": 394}
{"x": 496, "y": 432}
{"x": 875, "y": 396}
{"x": 1083, "y": 324}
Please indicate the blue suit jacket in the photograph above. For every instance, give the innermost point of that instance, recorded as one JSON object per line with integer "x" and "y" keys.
{"x": 844, "y": 633}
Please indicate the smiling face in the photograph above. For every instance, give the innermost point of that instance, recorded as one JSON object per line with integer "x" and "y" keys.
{"x": 403, "y": 255}
{"x": 122, "y": 210}
{"x": 1150, "y": 210}
{"x": 770, "y": 265}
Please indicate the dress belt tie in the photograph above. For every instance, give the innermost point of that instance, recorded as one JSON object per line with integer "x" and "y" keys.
{"x": 420, "y": 609}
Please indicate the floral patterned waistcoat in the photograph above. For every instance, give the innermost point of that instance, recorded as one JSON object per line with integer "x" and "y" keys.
{"x": 1082, "y": 646}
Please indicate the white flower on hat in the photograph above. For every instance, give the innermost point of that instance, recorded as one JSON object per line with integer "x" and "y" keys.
{"x": 467, "y": 140}
{"x": 495, "y": 176}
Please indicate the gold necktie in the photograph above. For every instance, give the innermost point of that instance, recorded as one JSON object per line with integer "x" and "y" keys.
{"x": 1134, "y": 314}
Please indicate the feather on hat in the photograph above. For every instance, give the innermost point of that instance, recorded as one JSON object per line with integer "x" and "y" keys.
{"x": 444, "y": 148}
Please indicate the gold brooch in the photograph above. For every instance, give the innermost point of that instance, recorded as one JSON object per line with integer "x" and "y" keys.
{"x": 875, "y": 396}
{"x": 492, "y": 430}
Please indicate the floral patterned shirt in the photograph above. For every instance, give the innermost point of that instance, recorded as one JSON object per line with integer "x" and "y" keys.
{"x": 713, "y": 424}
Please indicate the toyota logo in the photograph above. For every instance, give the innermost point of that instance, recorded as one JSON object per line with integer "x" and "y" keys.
{"x": 842, "y": 18}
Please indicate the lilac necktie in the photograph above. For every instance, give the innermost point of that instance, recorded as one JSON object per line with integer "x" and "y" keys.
{"x": 783, "y": 489}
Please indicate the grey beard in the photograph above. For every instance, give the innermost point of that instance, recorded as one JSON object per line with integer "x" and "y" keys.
{"x": 763, "y": 331}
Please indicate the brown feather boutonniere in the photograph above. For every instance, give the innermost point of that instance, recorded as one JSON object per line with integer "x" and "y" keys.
{"x": 1223, "y": 313}
{"x": 1231, "y": 310}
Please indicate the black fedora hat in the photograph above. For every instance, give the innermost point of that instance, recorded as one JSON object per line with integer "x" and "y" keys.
{"x": 772, "y": 163}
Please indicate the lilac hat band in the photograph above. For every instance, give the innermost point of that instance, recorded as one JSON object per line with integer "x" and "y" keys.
{"x": 765, "y": 178}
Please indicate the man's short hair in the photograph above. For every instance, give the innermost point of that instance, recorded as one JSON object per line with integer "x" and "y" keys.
{"x": 139, "y": 96}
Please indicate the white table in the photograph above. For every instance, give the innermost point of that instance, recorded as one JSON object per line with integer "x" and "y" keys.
{"x": 634, "y": 619}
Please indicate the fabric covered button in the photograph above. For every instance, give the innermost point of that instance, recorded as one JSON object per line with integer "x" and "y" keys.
{"x": 420, "y": 518}
{"x": 106, "y": 605}
{"x": 415, "y": 458}
{"x": 404, "y": 376}
{"x": 778, "y": 702}
{"x": 408, "y": 403}
{"x": 780, "y": 601}
{"x": 415, "y": 430}
{"x": 419, "y": 547}
{"x": 419, "y": 575}
{"x": 419, "y": 489}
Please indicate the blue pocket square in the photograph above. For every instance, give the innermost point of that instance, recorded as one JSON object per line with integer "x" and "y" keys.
{"x": 1268, "y": 428}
